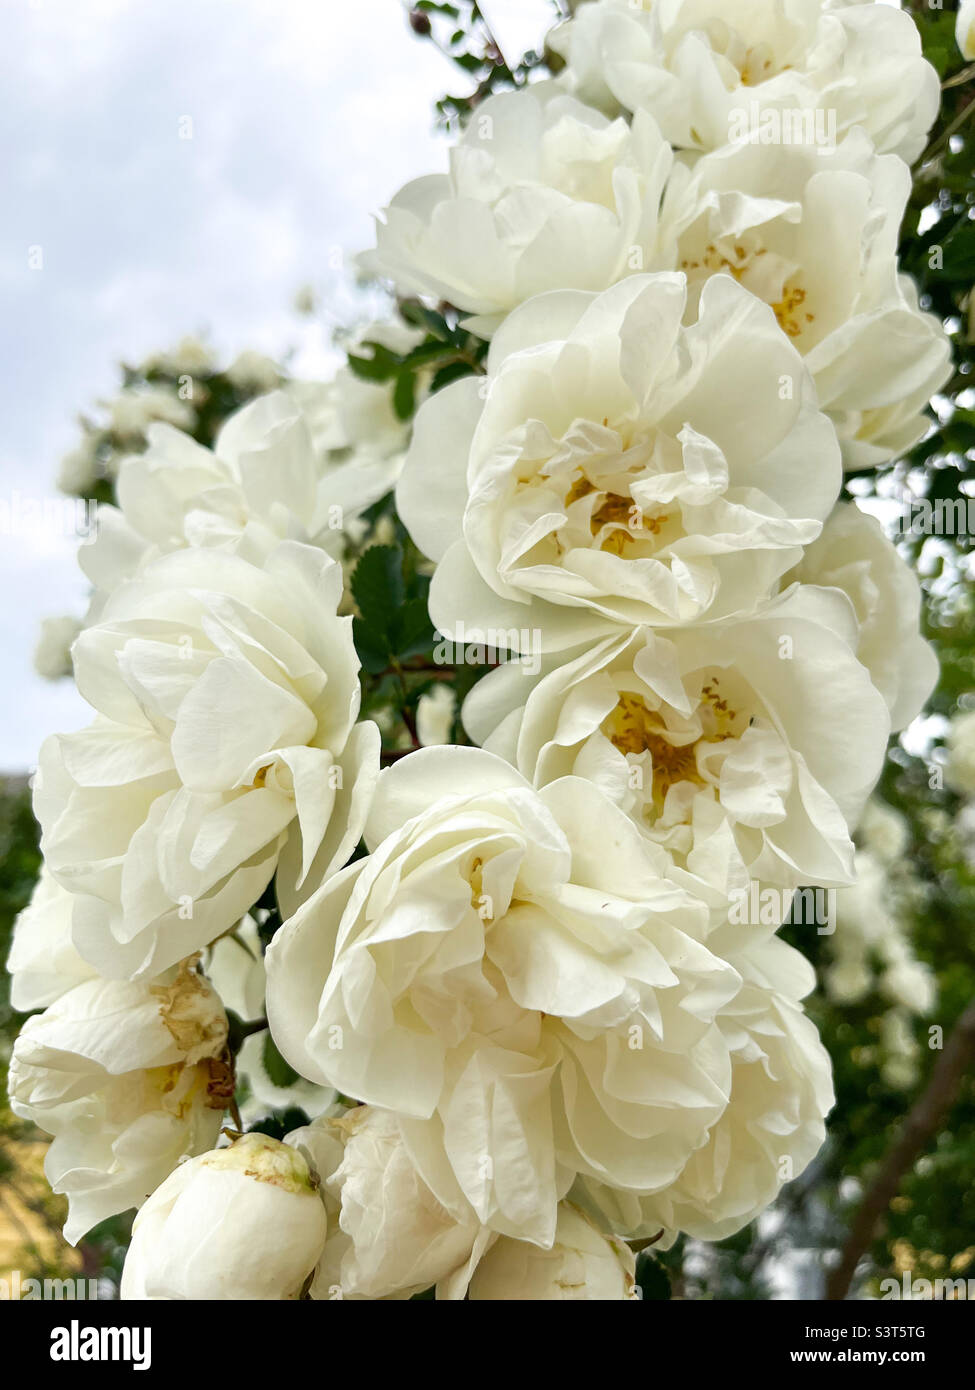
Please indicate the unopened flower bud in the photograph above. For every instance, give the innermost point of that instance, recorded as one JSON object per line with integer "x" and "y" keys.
{"x": 244, "y": 1222}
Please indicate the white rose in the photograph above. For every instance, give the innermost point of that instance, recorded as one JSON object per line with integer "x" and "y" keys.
{"x": 52, "y": 655}
{"x": 872, "y": 435}
{"x": 906, "y": 980}
{"x": 965, "y": 29}
{"x": 134, "y": 410}
{"x": 78, "y": 470}
{"x": 883, "y": 831}
{"x": 813, "y": 232}
{"x": 512, "y": 972}
{"x": 617, "y": 468}
{"x": 871, "y": 948}
{"x": 701, "y": 68}
{"x": 356, "y": 430}
{"x": 731, "y": 718}
{"x": 242, "y": 1223}
{"x": 234, "y": 965}
{"x": 774, "y": 1124}
{"x": 353, "y": 423}
{"x": 226, "y": 695}
{"x": 855, "y": 556}
{"x": 189, "y": 356}
{"x": 389, "y": 1236}
{"x": 535, "y": 177}
{"x": 353, "y": 418}
{"x": 252, "y": 371}
{"x": 960, "y": 744}
{"x": 435, "y": 715}
{"x": 127, "y": 1077}
{"x": 43, "y": 962}
{"x": 848, "y": 979}
{"x": 901, "y": 1052}
{"x": 583, "y": 1264}
{"x": 863, "y": 914}
{"x": 265, "y": 480}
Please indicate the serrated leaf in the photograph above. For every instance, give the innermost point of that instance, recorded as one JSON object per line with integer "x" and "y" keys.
{"x": 377, "y": 586}
{"x": 414, "y": 630}
{"x": 372, "y": 647}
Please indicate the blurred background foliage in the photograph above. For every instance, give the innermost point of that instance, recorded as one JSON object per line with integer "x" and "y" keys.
{"x": 885, "y": 1044}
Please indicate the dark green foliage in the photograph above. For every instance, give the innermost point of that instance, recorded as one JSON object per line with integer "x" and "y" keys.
{"x": 446, "y": 353}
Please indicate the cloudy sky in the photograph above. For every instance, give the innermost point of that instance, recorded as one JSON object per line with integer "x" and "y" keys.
{"x": 306, "y": 115}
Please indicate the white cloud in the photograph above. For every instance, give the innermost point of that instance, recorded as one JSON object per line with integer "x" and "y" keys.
{"x": 306, "y": 118}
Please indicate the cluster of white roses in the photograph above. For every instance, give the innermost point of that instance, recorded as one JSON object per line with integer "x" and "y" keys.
{"x": 871, "y": 949}
{"x": 557, "y": 1033}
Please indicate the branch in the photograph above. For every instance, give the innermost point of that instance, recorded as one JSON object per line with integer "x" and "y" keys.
{"x": 960, "y": 78}
{"x": 941, "y": 140}
{"x": 922, "y": 1123}
{"x": 434, "y": 673}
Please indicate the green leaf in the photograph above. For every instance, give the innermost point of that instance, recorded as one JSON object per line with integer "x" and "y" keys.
{"x": 420, "y": 316}
{"x": 452, "y": 372}
{"x": 279, "y": 1123}
{"x": 381, "y": 366}
{"x": 469, "y": 62}
{"x": 377, "y": 586}
{"x": 652, "y": 1278}
{"x": 959, "y": 253}
{"x": 372, "y": 647}
{"x": 278, "y": 1071}
{"x": 404, "y": 396}
{"x": 414, "y": 630}
{"x": 429, "y": 352}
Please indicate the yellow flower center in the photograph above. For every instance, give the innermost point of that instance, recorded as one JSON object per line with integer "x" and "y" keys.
{"x": 634, "y": 728}
{"x": 789, "y": 310}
